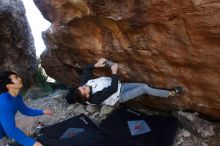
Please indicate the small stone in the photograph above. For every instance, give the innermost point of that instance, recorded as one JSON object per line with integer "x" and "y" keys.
{"x": 186, "y": 133}
{"x": 86, "y": 113}
{"x": 91, "y": 108}
{"x": 79, "y": 109}
{"x": 105, "y": 110}
{"x": 204, "y": 144}
{"x": 70, "y": 107}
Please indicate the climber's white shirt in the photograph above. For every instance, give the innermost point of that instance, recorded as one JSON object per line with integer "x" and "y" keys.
{"x": 99, "y": 84}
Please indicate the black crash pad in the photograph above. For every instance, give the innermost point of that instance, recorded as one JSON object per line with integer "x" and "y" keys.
{"x": 91, "y": 134}
{"x": 163, "y": 128}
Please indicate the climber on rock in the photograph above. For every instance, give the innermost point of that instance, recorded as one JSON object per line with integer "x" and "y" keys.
{"x": 109, "y": 90}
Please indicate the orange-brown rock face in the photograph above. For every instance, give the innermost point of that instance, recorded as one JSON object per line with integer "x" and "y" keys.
{"x": 164, "y": 43}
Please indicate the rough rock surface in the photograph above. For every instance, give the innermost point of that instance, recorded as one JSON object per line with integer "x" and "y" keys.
{"x": 17, "y": 51}
{"x": 63, "y": 111}
{"x": 162, "y": 42}
{"x": 200, "y": 127}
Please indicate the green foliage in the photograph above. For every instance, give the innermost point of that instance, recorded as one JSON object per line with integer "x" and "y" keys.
{"x": 41, "y": 78}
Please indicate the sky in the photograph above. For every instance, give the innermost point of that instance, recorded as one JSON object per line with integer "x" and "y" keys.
{"x": 37, "y": 24}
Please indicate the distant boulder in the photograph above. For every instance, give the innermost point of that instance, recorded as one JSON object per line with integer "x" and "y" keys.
{"x": 17, "y": 51}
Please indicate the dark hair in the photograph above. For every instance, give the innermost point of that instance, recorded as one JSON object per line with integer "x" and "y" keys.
{"x": 79, "y": 97}
{"x": 5, "y": 80}
{"x": 69, "y": 96}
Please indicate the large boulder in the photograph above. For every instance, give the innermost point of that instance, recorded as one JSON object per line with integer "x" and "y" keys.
{"x": 164, "y": 43}
{"x": 17, "y": 51}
